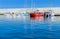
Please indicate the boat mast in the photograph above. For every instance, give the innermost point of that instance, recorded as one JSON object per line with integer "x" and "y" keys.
{"x": 50, "y": 6}
{"x": 32, "y": 8}
{"x": 34, "y": 5}
{"x": 25, "y": 5}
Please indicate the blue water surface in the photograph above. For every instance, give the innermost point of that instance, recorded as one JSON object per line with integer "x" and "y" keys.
{"x": 25, "y": 27}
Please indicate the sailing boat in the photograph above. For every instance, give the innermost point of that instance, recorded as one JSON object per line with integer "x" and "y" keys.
{"x": 35, "y": 13}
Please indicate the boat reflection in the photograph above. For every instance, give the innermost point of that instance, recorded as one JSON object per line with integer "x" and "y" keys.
{"x": 47, "y": 19}
{"x": 41, "y": 18}
{"x": 35, "y": 18}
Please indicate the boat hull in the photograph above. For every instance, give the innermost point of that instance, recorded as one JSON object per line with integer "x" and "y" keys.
{"x": 36, "y": 14}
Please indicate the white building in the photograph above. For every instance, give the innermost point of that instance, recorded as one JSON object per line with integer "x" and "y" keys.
{"x": 24, "y": 10}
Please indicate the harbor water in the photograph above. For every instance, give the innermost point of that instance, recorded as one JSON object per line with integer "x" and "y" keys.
{"x": 25, "y": 27}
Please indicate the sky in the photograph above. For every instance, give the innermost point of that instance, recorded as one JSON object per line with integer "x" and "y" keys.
{"x": 29, "y": 3}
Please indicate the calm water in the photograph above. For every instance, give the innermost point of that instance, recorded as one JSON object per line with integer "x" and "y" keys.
{"x": 24, "y": 27}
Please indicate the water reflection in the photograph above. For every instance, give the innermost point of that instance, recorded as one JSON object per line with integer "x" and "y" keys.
{"x": 25, "y": 27}
{"x": 47, "y": 19}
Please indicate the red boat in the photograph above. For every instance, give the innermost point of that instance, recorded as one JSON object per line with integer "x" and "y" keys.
{"x": 40, "y": 14}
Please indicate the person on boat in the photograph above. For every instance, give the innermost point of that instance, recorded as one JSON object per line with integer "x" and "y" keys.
{"x": 47, "y": 13}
